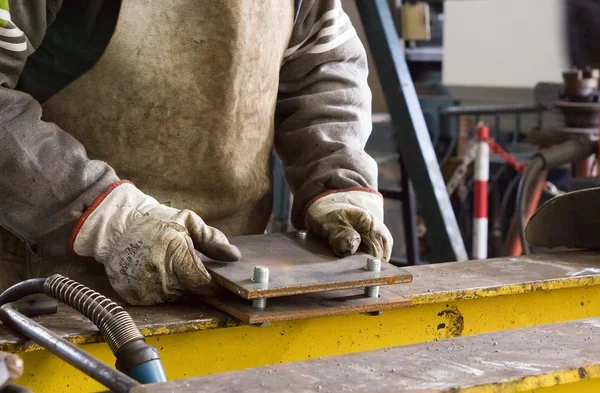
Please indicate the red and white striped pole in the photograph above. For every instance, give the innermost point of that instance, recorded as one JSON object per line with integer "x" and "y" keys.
{"x": 480, "y": 198}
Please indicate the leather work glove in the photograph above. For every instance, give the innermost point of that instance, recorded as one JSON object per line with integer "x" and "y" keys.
{"x": 148, "y": 249}
{"x": 349, "y": 219}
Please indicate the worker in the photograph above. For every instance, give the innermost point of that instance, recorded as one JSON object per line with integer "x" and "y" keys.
{"x": 136, "y": 132}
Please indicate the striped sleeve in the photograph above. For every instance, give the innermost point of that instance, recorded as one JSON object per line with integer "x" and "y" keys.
{"x": 12, "y": 39}
{"x": 46, "y": 178}
{"x": 323, "y": 116}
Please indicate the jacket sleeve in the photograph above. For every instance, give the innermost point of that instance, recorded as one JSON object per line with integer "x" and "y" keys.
{"x": 46, "y": 178}
{"x": 323, "y": 114}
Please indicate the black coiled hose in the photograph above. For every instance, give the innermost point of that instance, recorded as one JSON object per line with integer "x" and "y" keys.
{"x": 134, "y": 356}
{"x": 115, "y": 324}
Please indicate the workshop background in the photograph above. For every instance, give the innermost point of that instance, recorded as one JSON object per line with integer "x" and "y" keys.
{"x": 500, "y": 62}
{"x": 478, "y": 119}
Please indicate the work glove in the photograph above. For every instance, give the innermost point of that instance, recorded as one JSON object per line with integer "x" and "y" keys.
{"x": 349, "y": 220}
{"x": 148, "y": 249}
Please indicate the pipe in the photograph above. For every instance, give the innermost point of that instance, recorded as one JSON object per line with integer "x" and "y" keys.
{"x": 115, "y": 380}
{"x": 528, "y": 178}
{"x": 22, "y": 289}
{"x": 491, "y": 109}
{"x": 512, "y": 245}
{"x": 575, "y": 149}
{"x": 134, "y": 356}
{"x": 480, "y": 197}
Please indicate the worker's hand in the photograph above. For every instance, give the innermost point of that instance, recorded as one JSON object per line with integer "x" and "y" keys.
{"x": 349, "y": 219}
{"x": 148, "y": 249}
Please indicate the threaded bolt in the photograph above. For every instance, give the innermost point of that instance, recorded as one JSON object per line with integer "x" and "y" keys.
{"x": 261, "y": 276}
{"x": 302, "y": 235}
{"x": 373, "y": 265}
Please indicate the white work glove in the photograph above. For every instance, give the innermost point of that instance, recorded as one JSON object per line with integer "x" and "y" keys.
{"x": 148, "y": 249}
{"x": 349, "y": 219}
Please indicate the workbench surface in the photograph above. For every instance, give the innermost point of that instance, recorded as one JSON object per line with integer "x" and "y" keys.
{"x": 513, "y": 360}
{"x": 431, "y": 283}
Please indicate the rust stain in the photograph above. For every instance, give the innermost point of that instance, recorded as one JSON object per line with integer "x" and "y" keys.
{"x": 454, "y": 324}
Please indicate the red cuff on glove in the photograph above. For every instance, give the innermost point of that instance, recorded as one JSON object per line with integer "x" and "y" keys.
{"x": 309, "y": 204}
{"x": 91, "y": 209}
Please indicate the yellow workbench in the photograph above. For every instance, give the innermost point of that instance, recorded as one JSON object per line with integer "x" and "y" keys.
{"x": 557, "y": 358}
{"x": 446, "y": 300}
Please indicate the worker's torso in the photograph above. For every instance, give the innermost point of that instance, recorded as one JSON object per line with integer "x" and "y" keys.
{"x": 182, "y": 104}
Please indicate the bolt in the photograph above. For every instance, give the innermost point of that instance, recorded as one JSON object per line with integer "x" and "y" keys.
{"x": 302, "y": 235}
{"x": 373, "y": 265}
{"x": 261, "y": 276}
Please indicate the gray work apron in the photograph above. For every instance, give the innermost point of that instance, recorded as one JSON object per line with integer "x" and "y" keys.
{"x": 182, "y": 104}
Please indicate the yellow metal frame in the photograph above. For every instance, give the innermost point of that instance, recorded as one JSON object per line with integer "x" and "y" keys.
{"x": 432, "y": 316}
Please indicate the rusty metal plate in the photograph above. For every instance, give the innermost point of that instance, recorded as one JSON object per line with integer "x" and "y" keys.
{"x": 322, "y": 304}
{"x": 295, "y": 267}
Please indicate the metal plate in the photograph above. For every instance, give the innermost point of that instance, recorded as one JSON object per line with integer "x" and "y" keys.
{"x": 295, "y": 267}
{"x": 347, "y": 301}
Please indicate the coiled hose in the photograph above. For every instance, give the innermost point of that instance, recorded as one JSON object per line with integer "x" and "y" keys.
{"x": 134, "y": 357}
{"x": 115, "y": 324}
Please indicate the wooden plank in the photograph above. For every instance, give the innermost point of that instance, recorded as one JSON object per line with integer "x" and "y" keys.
{"x": 296, "y": 267}
{"x": 312, "y": 305}
{"x": 514, "y": 360}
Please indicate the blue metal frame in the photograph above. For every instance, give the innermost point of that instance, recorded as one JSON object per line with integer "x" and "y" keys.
{"x": 414, "y": 142}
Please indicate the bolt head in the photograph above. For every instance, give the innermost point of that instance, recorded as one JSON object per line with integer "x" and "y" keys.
{"x": 302, "y": 235}
{"x": 373, "y": 264}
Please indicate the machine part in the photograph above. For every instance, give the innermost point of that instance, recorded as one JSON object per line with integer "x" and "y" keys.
{"x": 299, "y": 266}
{"x": 481, "y": 110}
{"x": 579, "y": 114}
{"x": 134, "y": 356}
{"x": 573, "y": 150}
{"x": 261, "y": 276}
{"x": 480, "y": 197}
{"x": 113, "y": 379}
{"x": 581, "y": 85}
{"x": 414, "y": 141}
{"x": 373, "y": 265}
{"x": 302, "y": 235}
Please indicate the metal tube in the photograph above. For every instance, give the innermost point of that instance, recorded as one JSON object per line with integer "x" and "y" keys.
{"x": 480, "y": 197}
{"x": 113, "y": 379}
{"x": 512, "y": 245}
{"x": 22, "y": 289}
{"x": 491, "y": 109}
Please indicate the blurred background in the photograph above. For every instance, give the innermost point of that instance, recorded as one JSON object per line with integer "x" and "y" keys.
{"x": 450, "y": 66}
